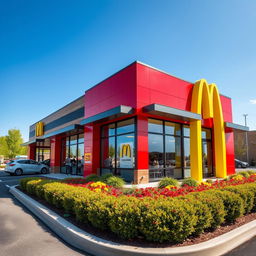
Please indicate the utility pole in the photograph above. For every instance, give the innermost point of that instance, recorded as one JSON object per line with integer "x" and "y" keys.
{"x": 246, "y": 138}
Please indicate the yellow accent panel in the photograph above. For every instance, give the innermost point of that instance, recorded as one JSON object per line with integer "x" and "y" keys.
{"x": 206, "y": 101}
{"x": 39, "y": 129}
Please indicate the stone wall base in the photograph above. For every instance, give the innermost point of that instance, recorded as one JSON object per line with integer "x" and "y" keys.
{"x": 141, "y": 176}
{"x": 55, "y": 169}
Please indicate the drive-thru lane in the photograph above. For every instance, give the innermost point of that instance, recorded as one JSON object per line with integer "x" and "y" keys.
{"x": 21, "y": 233}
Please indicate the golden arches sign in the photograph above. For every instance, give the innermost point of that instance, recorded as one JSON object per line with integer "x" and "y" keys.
{"x": 39, "y": 129}
{"x": 126, "y": 150}
{"x": 206, "y": 102}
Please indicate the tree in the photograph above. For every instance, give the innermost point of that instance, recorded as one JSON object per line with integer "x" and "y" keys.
{"x": 13, "y": 144}
{"x": 3, "y": 146}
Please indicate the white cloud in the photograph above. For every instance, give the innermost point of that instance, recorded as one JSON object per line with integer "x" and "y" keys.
{"x": 253, "y": 101}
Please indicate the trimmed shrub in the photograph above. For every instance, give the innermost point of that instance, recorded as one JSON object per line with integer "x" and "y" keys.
{"x": 189, "y": 182}
{"x": 215, "y": 206}
{"x": 23, "y": 182}
{"x": 167, "y": 220}
{"x": 115, "y": 182}
{"x": 104, "y": 177}
{"x": 39, "y": 189}
{"x": 53, "y": 193}
{"x": 168, "y": 181}
{"x": 245, "y": 174}
{"x": 203, "y": 213}
{"x": 233, "y": 203}
{"x": 245, "y": 194}
{"x": 125, "y": 217}
{"x": 71, "y": 195}
{"x": 99, "y": 211}
{"x": 252, "y": 188}
{"x": 250, "y": 172}
{"x": 31, "y": 186}
{"x": 92, "y": 178}
{"x": 210, "y": 181}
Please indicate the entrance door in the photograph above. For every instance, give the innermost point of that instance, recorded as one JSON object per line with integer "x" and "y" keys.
{"x": 207, "y": 159}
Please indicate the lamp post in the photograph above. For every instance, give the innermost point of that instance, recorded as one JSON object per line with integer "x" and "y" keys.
{"x": 246, "y": 137}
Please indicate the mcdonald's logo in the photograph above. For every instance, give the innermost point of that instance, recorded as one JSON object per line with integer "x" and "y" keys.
{"x": 206, "y": 102}
{"x": 39, "y": 129}
{"x": 126, "y": 150}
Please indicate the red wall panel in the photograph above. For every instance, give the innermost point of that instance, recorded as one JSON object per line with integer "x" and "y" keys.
{"x": 119, "y": 89}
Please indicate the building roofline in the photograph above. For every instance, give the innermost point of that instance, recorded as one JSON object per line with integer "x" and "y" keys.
{"x": 146, "y": 65}
{"x": 58, "y": 110}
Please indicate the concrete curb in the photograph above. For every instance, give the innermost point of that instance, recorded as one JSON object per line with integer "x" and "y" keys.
{"x": 100, "y": 247}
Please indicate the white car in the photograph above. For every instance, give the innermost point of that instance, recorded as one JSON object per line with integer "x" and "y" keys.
{"x": 25, "y": 166}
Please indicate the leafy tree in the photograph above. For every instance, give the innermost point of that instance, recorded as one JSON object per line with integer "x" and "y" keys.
{"x": 3, "y": 146}
{"x": 10, "y": 145}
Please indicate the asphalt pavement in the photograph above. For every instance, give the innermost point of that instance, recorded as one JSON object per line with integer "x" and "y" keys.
{"x": 23, "y": 234}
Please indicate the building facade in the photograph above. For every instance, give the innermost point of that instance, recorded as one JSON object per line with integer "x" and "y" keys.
{"x": 142, "y": 124}
{"x": 241, "y": 146}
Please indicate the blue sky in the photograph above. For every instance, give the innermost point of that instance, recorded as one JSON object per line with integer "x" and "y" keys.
{"x": 52, "y": 51}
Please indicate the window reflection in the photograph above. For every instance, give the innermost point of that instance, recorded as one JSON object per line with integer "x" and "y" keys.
{"x": 187, "y": 171}
{"x": 72, "y": 154}
{"x": 172, "y": 128}
{"x": 156, "y": 151}
{"x": 155, "y": 126}
{"x": 118, "y": 149}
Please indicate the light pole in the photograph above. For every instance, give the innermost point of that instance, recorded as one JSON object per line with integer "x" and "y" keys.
{"x": 246, "y": 137}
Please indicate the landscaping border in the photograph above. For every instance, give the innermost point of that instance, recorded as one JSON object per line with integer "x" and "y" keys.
{"x": 101, "y": 247}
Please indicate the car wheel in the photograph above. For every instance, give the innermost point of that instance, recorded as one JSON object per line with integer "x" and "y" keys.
{"x": 18, "y": 172}
{"x": 44, "y": 171}
{"x": 239, "y": 166}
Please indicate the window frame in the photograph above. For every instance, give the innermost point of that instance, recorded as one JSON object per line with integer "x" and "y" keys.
{"x": 116, "y": 170}
{"x": 181, "y": 136}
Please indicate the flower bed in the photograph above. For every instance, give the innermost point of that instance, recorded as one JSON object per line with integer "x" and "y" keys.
{"x": 170, "y": 214}
{"x": 168, "y": 191}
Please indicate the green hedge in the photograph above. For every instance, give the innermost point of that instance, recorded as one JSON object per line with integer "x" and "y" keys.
{"x": 159, "y": 220}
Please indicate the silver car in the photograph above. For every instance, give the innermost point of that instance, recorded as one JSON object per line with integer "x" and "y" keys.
{"x": 25, "y": 166}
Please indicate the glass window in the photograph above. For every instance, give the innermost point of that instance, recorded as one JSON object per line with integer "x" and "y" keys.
{"x": 156, "y": 151}
{"x": 108, "y": 152}
{"x": 73, "y": 140}
{"x": 125, "y": 151}
{"x": 187, "y": 172}
{"x": 155, "y": 126}
{"x": 80, "y": 158}
{"x": 172, "y": 128}
{"x": 81, "y": 138}
{"x": 108, "y": 130}
{"x": 125, "y": 126}
{"x": 206, "y": 134}
{"x": 173, "y": 151}
{"x": 186, "y": 131}
{"x": 67, "y": 141}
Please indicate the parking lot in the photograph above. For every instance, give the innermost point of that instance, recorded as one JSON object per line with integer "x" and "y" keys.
{"x": 22, "y": 234}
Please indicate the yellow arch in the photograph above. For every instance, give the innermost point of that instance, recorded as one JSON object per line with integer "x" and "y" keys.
{"x": 206, "y": 102}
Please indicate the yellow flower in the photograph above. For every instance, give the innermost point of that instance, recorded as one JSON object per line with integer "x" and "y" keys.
{"x": 170, "y": 187}
{"x": 206, "y": 184}
{"x": 238, "y": 177}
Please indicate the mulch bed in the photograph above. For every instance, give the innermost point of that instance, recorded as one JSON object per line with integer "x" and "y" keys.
{"x": 142, "y": 242}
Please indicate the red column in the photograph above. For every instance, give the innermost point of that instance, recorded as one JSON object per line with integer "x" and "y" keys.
{"x": 55, "y": 163}
{"x": 230, "y": 153}
{"x": 141, "y": 174}
{"x": 88, "y": 150}
{"x": 32, "y": 151}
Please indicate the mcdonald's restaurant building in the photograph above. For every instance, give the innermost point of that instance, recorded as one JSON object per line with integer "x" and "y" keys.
{"x": 142, "y": 124}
